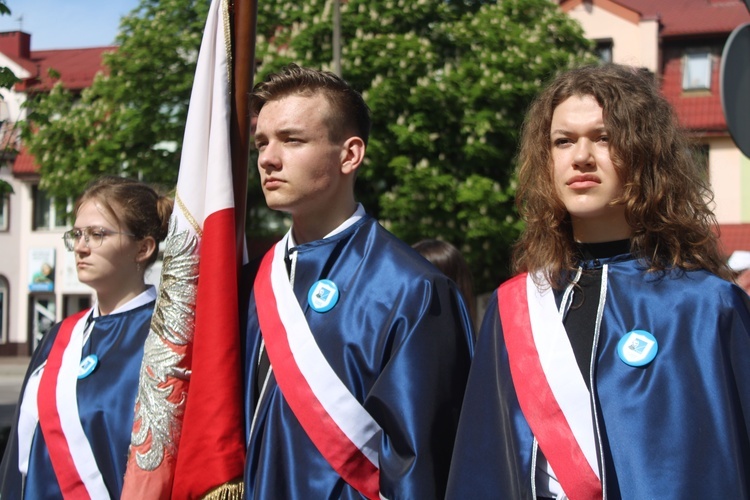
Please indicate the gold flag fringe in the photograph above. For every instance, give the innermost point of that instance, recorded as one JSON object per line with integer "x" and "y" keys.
{"x": 232, "y": 490}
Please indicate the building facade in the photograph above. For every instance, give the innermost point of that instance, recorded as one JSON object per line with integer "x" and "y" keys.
{"x": 38, "y": 281}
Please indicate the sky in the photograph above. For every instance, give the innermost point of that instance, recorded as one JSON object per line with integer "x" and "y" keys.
{"x": 67, "y": 24}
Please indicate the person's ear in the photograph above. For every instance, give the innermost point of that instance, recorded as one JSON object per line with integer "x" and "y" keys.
{"x": 352, "y": 154}
{"x": 146, "y": 247}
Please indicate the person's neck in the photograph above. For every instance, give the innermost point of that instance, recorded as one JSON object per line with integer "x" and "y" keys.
{"x": 312, "y": 227}
{"x": 590, "y": 231}
{"x": 112, "y": 300}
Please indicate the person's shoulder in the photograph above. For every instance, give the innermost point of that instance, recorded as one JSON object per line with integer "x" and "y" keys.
{"x": 389, "y": 250}
{"x": 705, "y": 287}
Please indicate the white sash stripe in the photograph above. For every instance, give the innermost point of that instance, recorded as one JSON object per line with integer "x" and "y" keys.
{"x": 561, "y": 369}
{"x": 28, "y": 418}
{"x": 70, "y": 420}
{"x": 336, "y": 399}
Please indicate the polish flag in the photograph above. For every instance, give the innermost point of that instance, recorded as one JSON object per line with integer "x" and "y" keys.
{"x": 187, "y": 434}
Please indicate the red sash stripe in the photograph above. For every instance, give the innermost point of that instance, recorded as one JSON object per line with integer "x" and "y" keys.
{"x": 536, "y": 399}
{"x": 343, "y": 455}
{"x": 68, "y": 478}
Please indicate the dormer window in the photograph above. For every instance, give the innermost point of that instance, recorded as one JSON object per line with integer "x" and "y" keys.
{"x": 696, "y": 70}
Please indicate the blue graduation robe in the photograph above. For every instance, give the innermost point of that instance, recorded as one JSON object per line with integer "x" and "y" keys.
{"x": 106, "y": 400}
{"x": 678, "y": 427}
{"x": 399, "y": 339}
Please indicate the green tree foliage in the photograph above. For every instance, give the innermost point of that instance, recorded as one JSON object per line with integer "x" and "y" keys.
{"x": 448, "y": 83}
{"x": 131, "y": 120}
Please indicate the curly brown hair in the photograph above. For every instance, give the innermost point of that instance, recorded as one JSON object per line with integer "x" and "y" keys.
{"x": 666, "y": 195}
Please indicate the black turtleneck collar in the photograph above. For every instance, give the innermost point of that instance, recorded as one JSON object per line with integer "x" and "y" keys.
{"x": 591, "y": 251}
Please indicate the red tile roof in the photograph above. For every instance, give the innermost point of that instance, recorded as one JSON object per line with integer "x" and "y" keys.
{"x": 734, "y": 237}
{"x": 692, "y": 17}
{"x": 24, "y": 163}
{"x": 76, "y": 67}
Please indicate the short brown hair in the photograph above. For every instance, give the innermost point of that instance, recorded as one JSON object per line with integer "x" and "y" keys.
{"x": 350, "y": 114}
{"x": 133, "y": 204}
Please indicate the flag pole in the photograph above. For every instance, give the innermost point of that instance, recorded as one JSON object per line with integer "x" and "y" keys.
{"x": 243, "y": 61}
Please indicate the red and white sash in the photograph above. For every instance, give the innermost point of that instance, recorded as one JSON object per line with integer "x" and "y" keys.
{"x": 50, "y": 401}
{"x": 551, "y": 392}
{"x": 341, "y": 429}
{"x": 70, "y": 452}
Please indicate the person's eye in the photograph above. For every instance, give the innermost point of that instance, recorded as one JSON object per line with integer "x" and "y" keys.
{"x": 561, "y": 141}
{"x": 97, "y": 234}
{"x": 76, "y": 234}
{"x": 604, "y": 138}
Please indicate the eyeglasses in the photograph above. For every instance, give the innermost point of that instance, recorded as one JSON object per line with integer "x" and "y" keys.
{"x": 92, "y": 236}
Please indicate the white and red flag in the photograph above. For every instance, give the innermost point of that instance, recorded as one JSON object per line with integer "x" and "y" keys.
{"x": 187, "y": 437}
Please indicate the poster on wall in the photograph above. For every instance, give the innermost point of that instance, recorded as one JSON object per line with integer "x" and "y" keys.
{"x": 42, "y": 270}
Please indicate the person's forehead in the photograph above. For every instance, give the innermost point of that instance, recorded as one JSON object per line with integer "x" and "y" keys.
{"x": 293, "y": 112}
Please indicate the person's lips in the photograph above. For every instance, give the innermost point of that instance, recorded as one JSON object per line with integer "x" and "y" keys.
{"x": 272, "y": 182}
{"x": 583, "y": 181}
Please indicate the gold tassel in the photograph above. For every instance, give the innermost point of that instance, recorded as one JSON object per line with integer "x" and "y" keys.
{"x": 232, "y": 490}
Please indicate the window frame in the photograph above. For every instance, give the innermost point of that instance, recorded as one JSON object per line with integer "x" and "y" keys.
{"x": 691, "y": 81}
{"x": 5, "y": 213}
{"x": 605, "y": 45}
{"x": 4, "y": 310}
{"x": 47, "y": 218}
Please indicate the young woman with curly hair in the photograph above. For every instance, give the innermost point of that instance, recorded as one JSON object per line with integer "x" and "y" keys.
{"x": 614, "y": 364}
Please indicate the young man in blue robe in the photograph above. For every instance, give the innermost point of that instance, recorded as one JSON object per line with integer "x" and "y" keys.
{"x": 357, "y": 349}
{"x": 615, "y": 365}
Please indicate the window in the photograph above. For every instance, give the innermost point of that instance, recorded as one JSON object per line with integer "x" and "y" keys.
{"x": 696, "y": 70}
{"x": 604, "y": 50}
{"x": 700, "y": 157}
{"x": 48, "y": 214}
{"x": 42, "y": 317}
{"x": 75, "y": 303}
{"x": 3, "y": 310}
{"x": 4, "y": 212}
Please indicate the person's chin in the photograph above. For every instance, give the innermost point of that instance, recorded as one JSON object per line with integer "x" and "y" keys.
{"x": 277, "y": 204}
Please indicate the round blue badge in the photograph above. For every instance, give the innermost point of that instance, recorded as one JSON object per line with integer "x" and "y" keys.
{"x": 323, "y": 295}
{"x": 88, "y": 365}
{"x": 637, "y": 348}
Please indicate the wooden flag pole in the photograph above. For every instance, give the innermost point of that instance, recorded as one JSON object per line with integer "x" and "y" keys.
{"x": 243, "y": 61}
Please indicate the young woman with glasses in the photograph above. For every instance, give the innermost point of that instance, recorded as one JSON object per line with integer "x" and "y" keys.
{"x": 75, "y": 415}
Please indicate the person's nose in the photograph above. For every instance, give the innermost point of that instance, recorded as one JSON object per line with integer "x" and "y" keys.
{"x": 269, "y": 159}
{"x": 583, "y": 155}
{"x": 81, "y": 245}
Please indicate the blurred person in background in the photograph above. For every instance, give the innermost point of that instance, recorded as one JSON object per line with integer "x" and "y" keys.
{"x": 739, "y": 262}
{"x": 451, "y": 262}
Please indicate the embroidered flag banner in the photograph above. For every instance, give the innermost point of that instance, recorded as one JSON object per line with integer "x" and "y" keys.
{"x": 187, "y": 439}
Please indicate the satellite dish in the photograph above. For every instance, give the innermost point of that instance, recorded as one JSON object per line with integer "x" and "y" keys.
{"x": 735, "y": 86}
